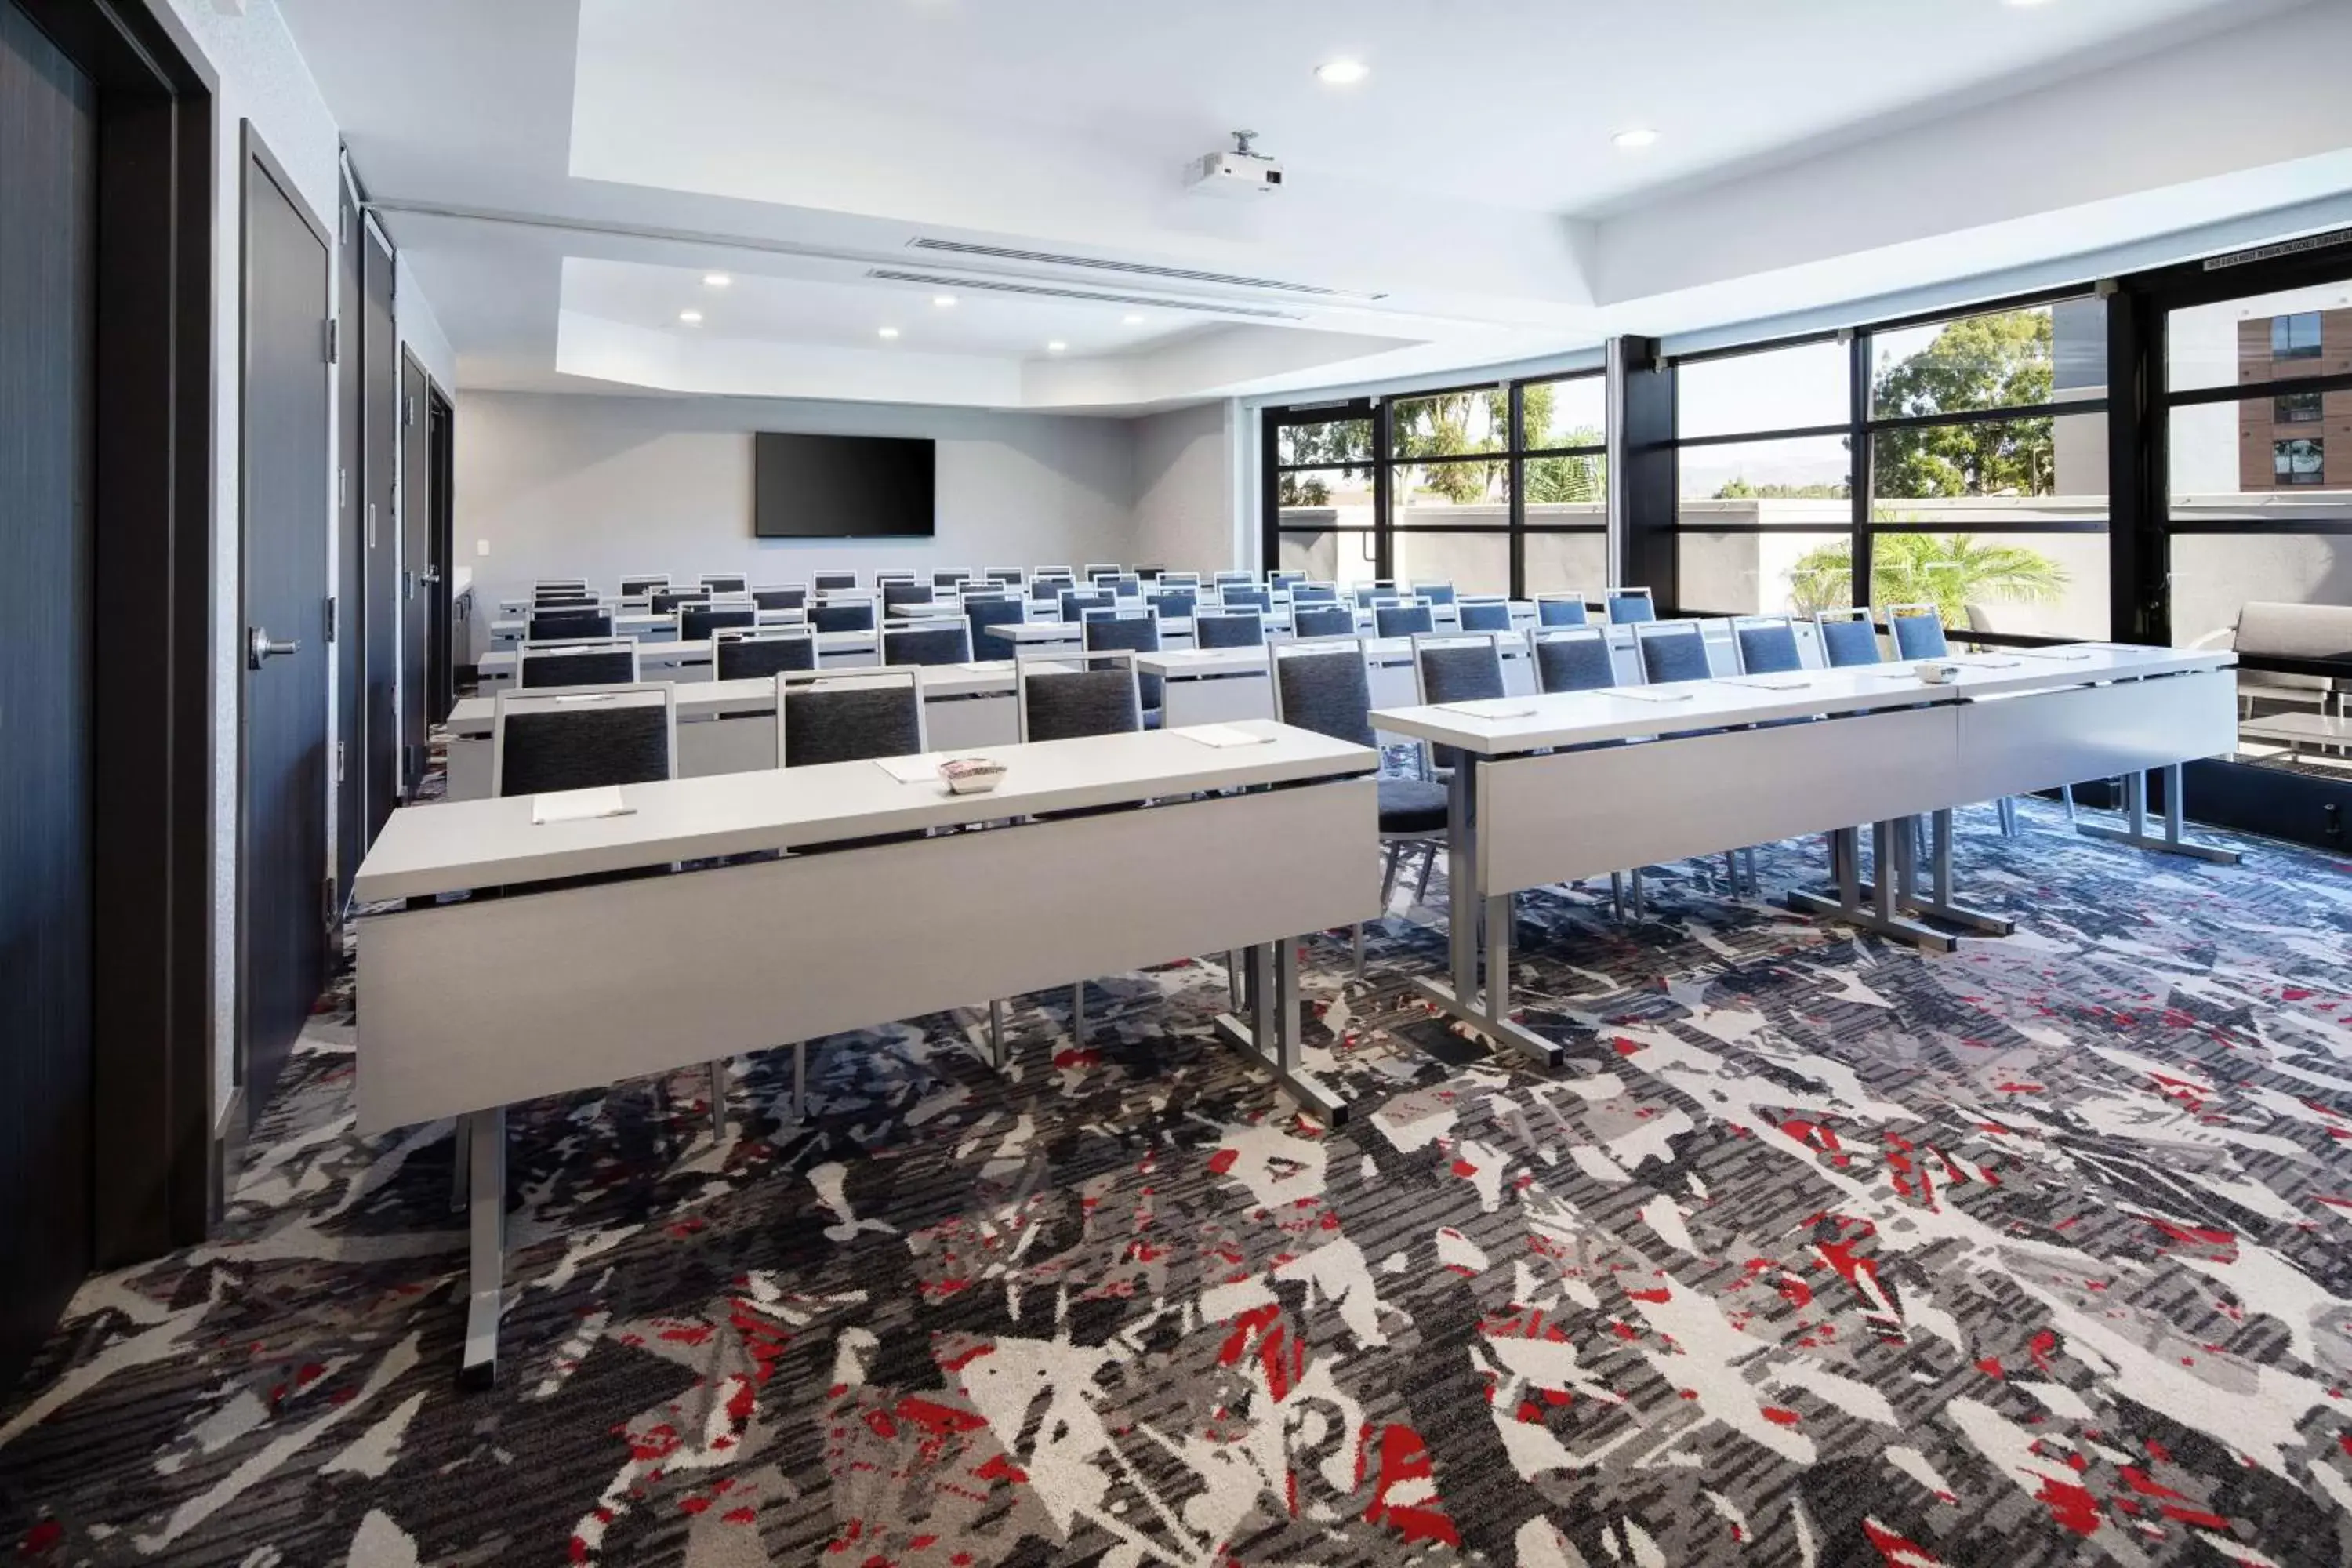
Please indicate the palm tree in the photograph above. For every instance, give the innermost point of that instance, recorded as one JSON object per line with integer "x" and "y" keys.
{"x": 1949, "y": 570}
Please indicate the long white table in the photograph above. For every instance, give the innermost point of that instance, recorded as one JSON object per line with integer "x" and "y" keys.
{"x": 730, "y": 726}
{"x": 1556, "y": 788}
{"x": 469, "y": 1007}
{"x": 687, "y": 661}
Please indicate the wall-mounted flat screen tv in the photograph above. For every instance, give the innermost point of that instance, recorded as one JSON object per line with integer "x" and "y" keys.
{"x": 841, "y": 486}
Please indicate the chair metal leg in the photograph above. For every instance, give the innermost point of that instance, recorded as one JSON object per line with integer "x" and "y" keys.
{"x": 486, "y": 1263}
{"x": 1755, "y": 883}
{"x": 461, "y": 1162}
{"x": 718, "y": 1070}
{"x": 2066, "y": 793}
{"x": 1617, "y": 895}
{"x": 1233, "y": 981}
{"x": 1731, "y": 870}
{"x": 1079, "y": 1007}
{"x": 2008, "y": 807}
{"x": 1639, "y": 912}
{"x": 997, "y": 1055}
{"x": 1389, "y": 874}
{"x": 800, "y": 1080}
{"x": 1357, "y": 933}
{"x": 1428, "y": 864}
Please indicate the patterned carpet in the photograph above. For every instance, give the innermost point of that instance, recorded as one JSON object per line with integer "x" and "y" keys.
{"x": 1817, "y": 1252}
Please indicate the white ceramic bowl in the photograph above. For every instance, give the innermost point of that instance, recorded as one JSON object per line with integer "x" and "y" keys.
{"x": 1935, "y": 672}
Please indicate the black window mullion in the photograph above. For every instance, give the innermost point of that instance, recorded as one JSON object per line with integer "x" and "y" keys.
{"x": 1514, "y": 476}
{"x": 1860, "y": 478}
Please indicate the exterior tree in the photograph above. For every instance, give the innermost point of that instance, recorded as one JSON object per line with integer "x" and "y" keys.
{"x": 1345, "y": 443}
{"x": 2000, "y": 361}
{"x": 1740, "y": 489}
{"x": 1949, "y": 570}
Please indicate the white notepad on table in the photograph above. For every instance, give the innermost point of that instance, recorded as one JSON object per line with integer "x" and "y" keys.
{"x": 1764, "y": 682}
{"x": 1982, "y": 661}
{"x": 923, "y": 769}
{"x": 1483, "y": 709}
{"x": 578, "y": 805}
{"x": 1647, "y": 694}
{"x": 2069, "y": 654}
{"x": 1222, "y": 735}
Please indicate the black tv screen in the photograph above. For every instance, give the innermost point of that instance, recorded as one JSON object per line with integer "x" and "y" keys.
{"x": 841, "y": 486}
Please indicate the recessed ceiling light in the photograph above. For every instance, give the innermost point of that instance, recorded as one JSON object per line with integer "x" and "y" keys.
{"x": 889, "y": 331}
{"x": 1057, "y": 346}
{"x": 1639, "y": 137}
{"x": 942, "y": 300}
{"x": 1131, "y": 320}
{"x": 691, "y": 318}
{"x": 1341, "y": 73}
{"x": 717, "y": 279}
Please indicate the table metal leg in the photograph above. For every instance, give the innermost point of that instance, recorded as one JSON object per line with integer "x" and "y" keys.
{"x": 487, "y": 1255}
{"x": 1271, "y": 1036}
{"x": 1935, "y": 901}
{"x": 800, "y": 1081}
{"x": 2135, "y": 829}
{"x": 1468, "y": 909}
{"x": 997, "y": 1055}
{"x": 1461, "y": 880}
{"x": 1878, "y": 914}
{"x": 461, "y": 1163}
{"x": 718, "y": 1099}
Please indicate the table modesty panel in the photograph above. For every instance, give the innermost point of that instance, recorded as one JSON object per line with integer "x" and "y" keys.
{"x": 1547, "y": 819}
{"x": 481, "y": 1004}
{"x": 2014, "y": 745}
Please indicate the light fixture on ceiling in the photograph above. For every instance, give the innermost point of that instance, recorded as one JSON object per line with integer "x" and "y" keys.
{"x": 716, "y": 280}
{"x": 943, "y": 301}
{"x": 1633, "y": 141}
{"x": 1343, "y": 72}
{"x": 1057, "y": 346}
{"x": 889, "y": 331}
{"x": 691, "y": 318}
{"x": 1131, "y": 320}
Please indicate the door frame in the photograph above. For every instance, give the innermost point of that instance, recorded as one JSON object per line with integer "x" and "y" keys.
{"x": 440, "y": 655}
{"x": 255, "y": 155}
{"x": 152, "y": 721}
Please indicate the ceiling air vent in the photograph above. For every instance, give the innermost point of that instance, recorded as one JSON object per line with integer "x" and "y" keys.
{"x": 1135, "y": 269}
{"x": 1053, "y": 291}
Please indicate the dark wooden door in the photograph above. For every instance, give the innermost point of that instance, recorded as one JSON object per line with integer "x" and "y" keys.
{"x": 351, "y": 555}
{"x": 287, "y": 515}
{"x": 48, "y": 206}
{"x": 415, "y": 563}
{"x": 380, "y": 570}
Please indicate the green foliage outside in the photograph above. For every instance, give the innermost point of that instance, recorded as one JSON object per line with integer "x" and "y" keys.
{"x": 1949, "y": 570}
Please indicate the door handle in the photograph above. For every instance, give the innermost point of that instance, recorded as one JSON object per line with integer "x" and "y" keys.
{"x": 433, "y": 573}
{"x": 258, "y": 647}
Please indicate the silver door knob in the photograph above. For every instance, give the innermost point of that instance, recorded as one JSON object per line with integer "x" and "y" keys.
{"x": 258, "y": 647}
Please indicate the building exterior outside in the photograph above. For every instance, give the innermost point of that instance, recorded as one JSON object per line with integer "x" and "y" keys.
{"x": 2300, "y": 440}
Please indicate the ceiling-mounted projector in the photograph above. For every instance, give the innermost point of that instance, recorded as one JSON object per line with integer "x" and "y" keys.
{"x": 1240, "y": 173}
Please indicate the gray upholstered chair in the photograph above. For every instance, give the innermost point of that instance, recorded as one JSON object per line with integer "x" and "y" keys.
{"x": 1562, "y": 610}
{"x": 1433, "y": 592}
{"x": 612, "y": 662}
{"x": 545, "y": 741}
{"x": 584, "y": 621}
{"x": 1174, "y": 604}
{"x": 1573, "y": 658}
{"x": 928, "y": 642}
{"x": 667, "y": 601}
{"x": 1135, "y": 634}
{"x": 1403, "y": 620}
{"x": 741, "y": 655}
{"x": 981, "y": 614}
{"x": 949, "y": 576}
{"x": 884, "y": 578}
{"x": 725, "y": 581}
{"x": 1631, "y": 606}
{"x": 782, "y": 596}
{"x": 842, "y": 614}
{"x": 848, "y": 715}
{"x": 1670, "y": 650}
{"x": 1076, "y": 602}
{"x": 1313, "y": 620}
{"x": 1096, "y": 571}
{"x": 1063, "y": 696}
{"x": 1484, "y": 613}
{"x": 832, "y": 581}
{"x": 1314, "y": 594}
{"x": 1326, "y": 687}
{"x": 696, "y": 622}
{"x": 909, "y": 593}
{"x": 1005, "y": 576}
{"x": 1848, "y": 639}
{"x": 643, "y": 584}
{"x": 1228, "y": 628}
{"x": 1766, "y": 644}
{"x": 1225, "y": 580}
{"x": 1454, "y": 667}
{"x": 1246, "y": 596}
{"x": 1285, "y": 579}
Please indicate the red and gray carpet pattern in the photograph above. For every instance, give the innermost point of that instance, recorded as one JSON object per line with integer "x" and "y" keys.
{"x": 1816, "y": 1252}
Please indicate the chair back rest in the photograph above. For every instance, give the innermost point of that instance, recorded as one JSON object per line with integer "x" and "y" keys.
{"x": 696, "y": 622}
{"x": 747, "y": 655}
{"x": 1225, "y": 580}
{"x": 1377, "y": 594}
{"x": 982, "y": 613}
{"x": 562, "y": 599}
{"x": 544, "y": 741}
{"x": 725, "y": 581}
{"x": 1245, "y": 597}
{"x": 1562, "y": 610}
{"x": 1847, "y": 637}
{"x": 644, "y": 583}
{"x": 949, "y": 576}
{"x": 1456, "y": 667}
{"x": 1573, "y": 658}
{"x": 884, "y": 578}
{"x": 1631, "y": 606}
{"x": 587, "y": 622}
{"x": 1285, "y": 577}
{"x": 1918, "y": 631}
{"x": 1097, "y": 570}
{"x": 1766, "y": 644}
{"x": 928, "y": 642}
{"x": 665, "y": 600}
{"x": 842, "y": 615}
{"x": 1174, "y": 604}
{"x": 572, "y": 584}
{"x": 1326, "y": 688}
{"x": 848, "y": 716}
{"x": 1048, "y": 590}
{"x": 1135, "y": 634}
{"x": 1314, "y": 594}
{"x": 782, "y": 597}
{"x": 1127, "y": 585}
{"x": 1064, "y": 695}
{"x": 1063, "y": 573}
{"x": 1485, "y": 613}
{"x": 1228, "y": 628}
{"x": 1075, "y": 601}
{"x": 1433, "y": 592}
{"x": 1403, "y": 620}
{"x": 1006, "y": 577}
{"x": 1670, "y": 650}
{"x": 1322, "y": 621}
{"x": 612, "y": 663}
{"x": 832, "y": 582}
{"x": 1188, "y": 581}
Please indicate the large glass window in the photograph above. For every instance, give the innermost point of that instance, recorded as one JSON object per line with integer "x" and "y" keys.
{"x": 1790, "y": 388}
{"x": 1496, "y": 489}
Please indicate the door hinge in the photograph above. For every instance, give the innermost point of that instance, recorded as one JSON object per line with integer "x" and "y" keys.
{"x": 327, "y": 907}
{"x": 330, "y": 617}
{"x": 335, "y": 339}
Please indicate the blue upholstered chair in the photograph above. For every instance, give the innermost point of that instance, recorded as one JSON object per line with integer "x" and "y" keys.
{"x": 1631, "y": 606}
{"x": 668, "y": 601}
{"x": 1245, "y": 597}
{"x": 1561, "y": 610}
{"x": 1403, "y": 620}
{"x": 895, "y": 592}
{"x": 928, "y": 642}
{"x": 1670, "y": 650}
{"x": 832, "y": 581}
{"x": 1484, "y": 613}
{"x": 1433, "y": 592}
{"x": 611, "y": 662}
{"x": 782, "y": 596}
{"x": 643, "y": 584}
{"x": 1766, "y": 644}
{"x": 584, "y": 621}
{"x": 1314, "y": 594}
{"x": 542, "y": 741}
{"x": 1918, "y": 631}
{"x": 1174, "y": 604}
{"x": 696, "y": 622}
{"x": 756, "y": 655}
{"x": 725, "y": 581}
{"x": 1135, "y": 634}
{"x": 841, "y": 614}
{"x": 1848, "y": 639}
{"x": 1075, "y": 601}
{"x": 1322, "y": 621}
{"x": 1573, "y": 658}
{"x": 949, "y": 576}
{"x": 982, "y": 613}
{"x": 1228, "y": 628}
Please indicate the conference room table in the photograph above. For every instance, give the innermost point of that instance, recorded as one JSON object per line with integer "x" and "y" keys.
{"x": 690, "y": 661}
{"x": 466, "y": 1006}
{"x": 1559, "y": 787}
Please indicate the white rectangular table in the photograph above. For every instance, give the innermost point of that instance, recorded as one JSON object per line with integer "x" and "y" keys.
{"x": 689, "y": 661}
{"x": 1556, "y": 788}
{"x": 730, "y": 726}
{"x": 469, "y": 1007}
